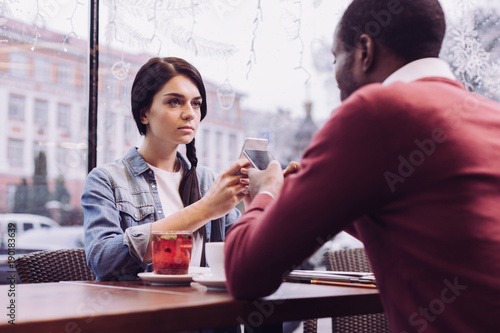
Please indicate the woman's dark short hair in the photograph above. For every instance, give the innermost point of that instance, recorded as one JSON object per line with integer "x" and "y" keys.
{"x": 412, "y": 29}
{"x": 153, "y": 75}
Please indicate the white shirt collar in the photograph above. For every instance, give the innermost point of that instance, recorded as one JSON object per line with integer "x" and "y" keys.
{"x": 418, "y": 69}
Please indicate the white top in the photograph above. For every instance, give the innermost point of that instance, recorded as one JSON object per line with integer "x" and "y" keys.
{"x": 171, "y": 202}
{"x": 419, "y": 69}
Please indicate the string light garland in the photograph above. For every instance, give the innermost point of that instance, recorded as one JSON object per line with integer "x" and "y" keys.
{"x": 252, "y": 58}
{"x": 72, "y": 33}
{"x": 37, "y": 34}
{"x": 142, "y": 22}
{"x": 292, "y": 22}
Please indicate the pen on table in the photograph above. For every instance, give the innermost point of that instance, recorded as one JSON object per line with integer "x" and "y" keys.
{"x": 336, "y": 283}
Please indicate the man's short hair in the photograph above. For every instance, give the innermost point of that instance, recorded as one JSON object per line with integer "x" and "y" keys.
{"x": 412, "y": 29}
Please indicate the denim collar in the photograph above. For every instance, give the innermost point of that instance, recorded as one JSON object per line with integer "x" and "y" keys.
{"x": 138, "y": 165}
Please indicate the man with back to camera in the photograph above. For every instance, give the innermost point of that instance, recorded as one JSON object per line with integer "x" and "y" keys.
{"x": 412, "y": 158}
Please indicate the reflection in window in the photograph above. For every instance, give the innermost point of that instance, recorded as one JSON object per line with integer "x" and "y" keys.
{"x": 16, "y": 107}
{"x": 15, "y": 150}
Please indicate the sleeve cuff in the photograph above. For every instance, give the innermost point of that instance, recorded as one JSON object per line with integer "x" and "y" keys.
{"x": 137, "y": 239}
{"x": 266, "y": 192}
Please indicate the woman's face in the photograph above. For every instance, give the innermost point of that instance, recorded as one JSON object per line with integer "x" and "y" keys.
{"x": 175, "y": 112}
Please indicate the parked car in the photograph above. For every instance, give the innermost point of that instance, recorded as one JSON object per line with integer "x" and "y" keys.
{"x": 51, "y": 239}
{"x": 23, "y": 223}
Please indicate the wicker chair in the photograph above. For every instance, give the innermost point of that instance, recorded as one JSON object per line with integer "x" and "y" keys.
{"x": 351, "y": 260}
{"x": 54, "y": 266}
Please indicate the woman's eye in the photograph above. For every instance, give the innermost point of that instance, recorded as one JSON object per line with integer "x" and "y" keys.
{"x": 197, "y": 104}
{"x": 174, "y": 102}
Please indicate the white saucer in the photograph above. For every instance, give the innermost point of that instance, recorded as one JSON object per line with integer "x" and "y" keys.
{"x": 210, "y": 282}
{"x": 172, "y": 280}
{"x": 199, "y": 270}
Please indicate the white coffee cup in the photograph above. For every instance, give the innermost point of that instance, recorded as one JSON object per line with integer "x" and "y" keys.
{"x": 214, "y": 252}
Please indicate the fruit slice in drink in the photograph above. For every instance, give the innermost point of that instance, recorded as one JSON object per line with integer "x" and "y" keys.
{"x": 171, "y": 252}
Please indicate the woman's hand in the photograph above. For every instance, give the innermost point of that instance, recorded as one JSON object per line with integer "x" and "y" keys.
{"x": 293, "y": 167}
{"x": 227, "y": 190}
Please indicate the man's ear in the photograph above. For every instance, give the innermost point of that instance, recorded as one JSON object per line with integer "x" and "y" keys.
{"x": 367, "y": 51}
{"x": 144, "y": 117}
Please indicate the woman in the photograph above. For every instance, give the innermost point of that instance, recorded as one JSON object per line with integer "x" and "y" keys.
{"x": 154, "y": 187}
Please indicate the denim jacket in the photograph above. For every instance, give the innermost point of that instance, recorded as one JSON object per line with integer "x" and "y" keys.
{"x": 120, "y": 200}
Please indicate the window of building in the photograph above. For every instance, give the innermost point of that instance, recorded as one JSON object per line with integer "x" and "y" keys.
{"x": 65, "y": 74}
{"x": 41, "y": 112}
{"x": 84, "y": 119}
{"x": 129, "y": 127}
{"x": 61, "y": 154}
{"x": 233, "y": 146}
{"x": 63, "y": 115}
{"x": 37, "y": 148}
{"x": 15, "y": 151}
{"x": 16, "y": 107}
{"x": 11, "y": 192}
{"x": 219, "y": 153}
{"x": 19, "y": 64}
{"x": 42, "y": 68}
{"x": 28, "y": 226}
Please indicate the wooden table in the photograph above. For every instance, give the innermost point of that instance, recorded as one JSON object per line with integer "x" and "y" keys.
{"x": 136, "y": 306}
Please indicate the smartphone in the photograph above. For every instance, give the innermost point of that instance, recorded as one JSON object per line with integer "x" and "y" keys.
{"x": 253, "y": 144}
{"x": 259, "y": 159}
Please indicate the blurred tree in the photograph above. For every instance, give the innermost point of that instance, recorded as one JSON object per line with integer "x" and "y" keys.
{"x": 21, "y": 197}
{"x": 61, "y": 193}
{"x": 39, "y": 194}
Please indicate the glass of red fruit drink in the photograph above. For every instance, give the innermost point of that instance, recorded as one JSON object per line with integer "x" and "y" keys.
{"x": 171, "y": 252}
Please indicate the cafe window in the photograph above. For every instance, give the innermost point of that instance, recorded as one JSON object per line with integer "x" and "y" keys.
{"x": 261, "y": 60}
{"x": 16, "y": 107}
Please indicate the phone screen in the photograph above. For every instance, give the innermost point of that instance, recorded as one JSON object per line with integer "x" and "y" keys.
{"x": 253, "y": 144}
{"x": 259, "y": 158}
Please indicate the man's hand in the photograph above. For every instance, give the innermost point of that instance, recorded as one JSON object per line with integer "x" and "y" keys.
{"x": 270, "y": 180}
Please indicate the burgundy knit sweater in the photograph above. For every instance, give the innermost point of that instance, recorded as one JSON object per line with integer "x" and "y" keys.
{"x": 417, "y": 167}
